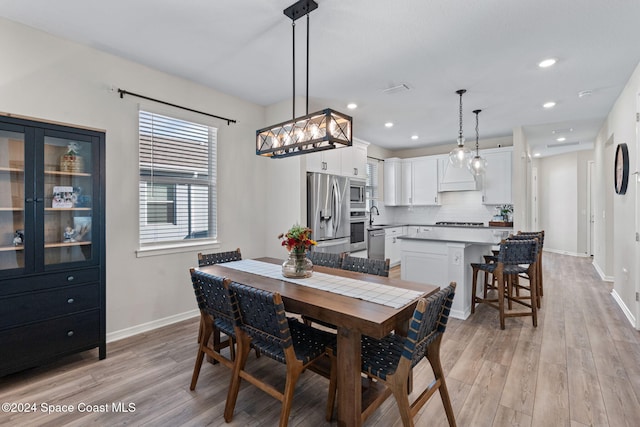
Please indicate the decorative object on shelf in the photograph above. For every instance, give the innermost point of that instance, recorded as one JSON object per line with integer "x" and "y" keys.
{"x": 18, "y": 238}
{"x": 62, "y": 197}
{"x": 297, "y": 241}
{"x": 82, "y": 225}
{"x": 69, "y": 234}
{"x": 505, "y": 211}
{"x": 477, "y": 165}
{"x": 319, "y": 131}
{"x": 460, "y": 156}
{"x": 71, "y": 161}
{"x": 621, "y": 169}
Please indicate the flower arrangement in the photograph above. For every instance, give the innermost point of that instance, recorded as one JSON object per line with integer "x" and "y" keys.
{"x": 297, "y": 239}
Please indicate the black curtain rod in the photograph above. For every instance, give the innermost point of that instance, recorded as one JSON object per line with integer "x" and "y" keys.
{"x": 375, "y": 158}
{"x": 125, "y": 92}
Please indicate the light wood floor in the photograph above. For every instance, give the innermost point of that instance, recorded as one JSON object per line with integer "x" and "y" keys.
{"x": 580, "y": 367}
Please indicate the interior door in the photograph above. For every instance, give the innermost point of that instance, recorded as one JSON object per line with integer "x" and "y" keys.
{"x": 635, "y": 177}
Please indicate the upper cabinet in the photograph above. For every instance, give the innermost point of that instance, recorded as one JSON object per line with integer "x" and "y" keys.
{"x": 328, "y": 161}
{"x": 411, "y": 181}
{"x": 425, "y": 180}
{"x": 496, "y": 187}
{"x": 451, "y": 178}
{"x": 354, "y": 160}
{"x": 348, "y": 161}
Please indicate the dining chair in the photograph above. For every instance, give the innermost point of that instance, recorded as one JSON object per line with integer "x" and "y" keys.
{"x": 262, "y": 323}
{"x": 215, "y": 314}
{"x": 514, "y": 258}
{"x": 540, "y": 236}
{"x": 326, "y": 259}
{"x": 366, "y": 265}
{"x": 210, "y": 259}
{"x": 390, "y": 360}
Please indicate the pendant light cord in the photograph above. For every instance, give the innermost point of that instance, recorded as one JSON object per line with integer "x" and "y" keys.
{"x": 307, "y": 113}
{"x": 477, "y": 133}
{"x": 293, "y": 31}
{"x": 460, "y": 137}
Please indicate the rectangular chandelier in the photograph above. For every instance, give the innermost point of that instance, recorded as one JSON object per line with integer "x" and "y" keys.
{"x": 322, "y": 130}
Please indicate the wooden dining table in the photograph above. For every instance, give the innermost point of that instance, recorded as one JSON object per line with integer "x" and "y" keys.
{"x": 353, "y": 317}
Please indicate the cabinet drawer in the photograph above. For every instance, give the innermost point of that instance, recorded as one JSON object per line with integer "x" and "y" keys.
{"x": 34, "y": 344}
{"x": 36, "y": 306}
{"x": 49, "y": 280}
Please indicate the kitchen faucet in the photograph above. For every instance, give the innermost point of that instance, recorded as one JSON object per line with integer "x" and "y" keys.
{"x": 371, "y": 214}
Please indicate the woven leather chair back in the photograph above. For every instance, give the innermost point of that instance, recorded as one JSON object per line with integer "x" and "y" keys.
{"x": 211, "y": 295}
{"x": 261, "y": 315}
{"x": 218, "y": 258}
{"x": 325, "y": 259}
{"x": 516, "y": 251}
{"x": 428, "y": 322}
{"x": 532, "y": 235}
{"x": 366, "y": 265}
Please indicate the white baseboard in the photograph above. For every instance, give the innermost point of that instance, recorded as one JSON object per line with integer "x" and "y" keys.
{"x": 145, "y": 327}
{"x": 624, "y": 309}
{"x": 601, "y": 273}
{"x": 561, "y": 252}
{"x": 459, "y": 314}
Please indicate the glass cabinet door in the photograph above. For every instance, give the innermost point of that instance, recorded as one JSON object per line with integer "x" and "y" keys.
{"x": 12, "y": 198}
{"x": 68, "y": 200}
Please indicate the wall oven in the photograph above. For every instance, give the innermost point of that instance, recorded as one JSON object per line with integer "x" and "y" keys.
{"x": 358, "y": 230}
{"x": 357, "y": 197}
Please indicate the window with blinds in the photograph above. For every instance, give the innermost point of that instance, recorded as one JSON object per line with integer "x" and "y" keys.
{"x": 177, "y": 180}
{"x": 371, "y": 188}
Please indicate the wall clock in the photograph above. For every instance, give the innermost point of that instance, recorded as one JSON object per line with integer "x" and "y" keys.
{"x": 621, "y": 169}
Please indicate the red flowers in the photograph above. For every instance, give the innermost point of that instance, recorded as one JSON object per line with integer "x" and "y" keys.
{"x": 297, "y": 239}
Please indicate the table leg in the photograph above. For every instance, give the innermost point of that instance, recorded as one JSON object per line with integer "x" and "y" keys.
{"x": 349, "y": 384}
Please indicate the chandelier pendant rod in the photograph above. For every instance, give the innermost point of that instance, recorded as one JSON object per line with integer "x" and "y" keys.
{"x": 293, "y": 63}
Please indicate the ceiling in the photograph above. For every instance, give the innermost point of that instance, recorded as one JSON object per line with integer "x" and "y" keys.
{"x": 359, "y": 48}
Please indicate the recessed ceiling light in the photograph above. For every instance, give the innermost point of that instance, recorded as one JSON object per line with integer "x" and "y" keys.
{"x": 388, "y": 125}
{"x": 352, "y": 106}
{"x": 536, "y": 154}
{"x": 549, "y": 104}
{"x": 561, "y": 130}
{"x": 414, "y": 137}
{"x": 546, "y": 63}
{"x": 562, "y": 138}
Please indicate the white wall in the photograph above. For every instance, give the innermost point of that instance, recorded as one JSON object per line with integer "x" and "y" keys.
{"x": 49, "y": 78}
{"x": 620, "y": 127}
{"x": 558, "y": 202}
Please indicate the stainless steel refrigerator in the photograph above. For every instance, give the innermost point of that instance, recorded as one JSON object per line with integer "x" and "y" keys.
{"x": 328, "y": 212}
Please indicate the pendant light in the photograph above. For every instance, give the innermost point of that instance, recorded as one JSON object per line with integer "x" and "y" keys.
{"x": 319, "y": 131}
{"x": 477, "y": 164}
{"x": 459, "y": 157}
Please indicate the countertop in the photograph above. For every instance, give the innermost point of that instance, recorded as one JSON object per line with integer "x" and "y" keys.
{"x": 483, "y": 227}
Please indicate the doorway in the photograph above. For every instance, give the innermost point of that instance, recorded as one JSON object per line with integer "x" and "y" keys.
{"x": 590, "y": 209}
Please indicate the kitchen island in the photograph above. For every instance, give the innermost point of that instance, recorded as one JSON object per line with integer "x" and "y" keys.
{"x": 443, "y": 255}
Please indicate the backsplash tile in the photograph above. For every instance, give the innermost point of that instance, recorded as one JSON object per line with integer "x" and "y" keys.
{"x": 459, "y": 206}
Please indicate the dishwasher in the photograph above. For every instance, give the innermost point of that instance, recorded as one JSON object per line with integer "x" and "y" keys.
{"x": 375, "y": 244}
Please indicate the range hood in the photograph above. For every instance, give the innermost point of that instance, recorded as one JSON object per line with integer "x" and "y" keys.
{"x": 455, "y": 179}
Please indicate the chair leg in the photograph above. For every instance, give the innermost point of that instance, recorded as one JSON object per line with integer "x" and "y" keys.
{"x": 474, "y": 284}
{"x": 534, "y": 296}
{"x": 200, "y": 329}
{"x": 287, "y": 399}
{"x": 239, "y": 364}
{"x": 399, "y": 391}
{"x": 501, "y": 288}
{"x": 433, "y": 355}
{"x": 204, "y": 338}
{"x": 486, "y": 283}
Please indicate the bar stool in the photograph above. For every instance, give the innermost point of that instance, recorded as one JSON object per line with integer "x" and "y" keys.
{"x": 515, "y": 257}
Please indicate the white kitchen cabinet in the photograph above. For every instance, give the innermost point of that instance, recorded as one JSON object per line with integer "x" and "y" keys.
{"x": 397, "y": 182}
{"x": 392, "y": 244}
{"x": 424, "y": 181}
{"x": 496, "y": 186}
{"x": 391, "y": 187}
{"x": 354, "y": 160}
{"x": 328, "y": 161}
